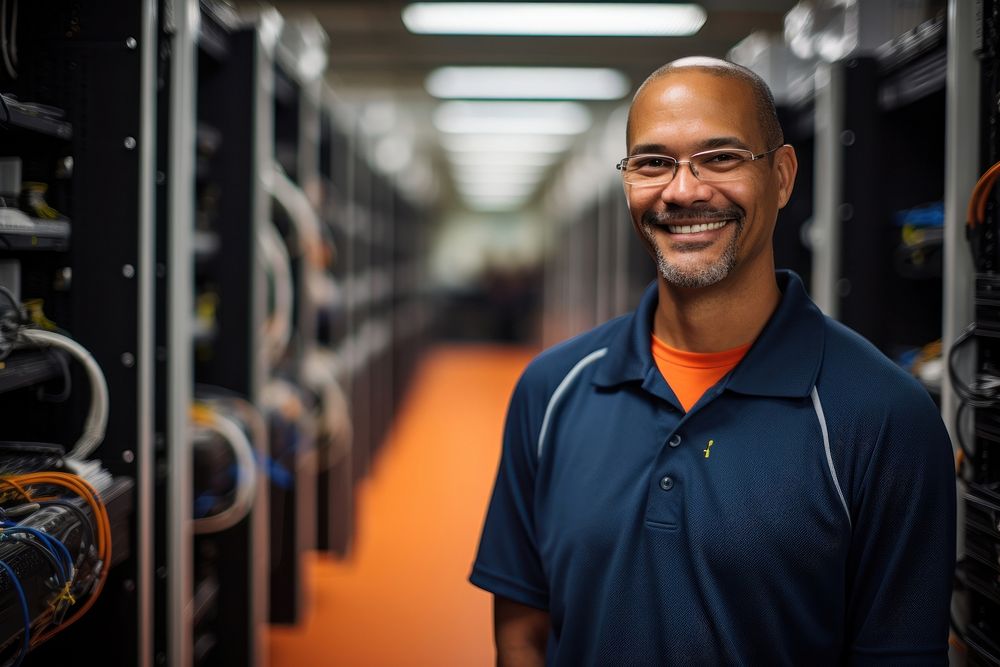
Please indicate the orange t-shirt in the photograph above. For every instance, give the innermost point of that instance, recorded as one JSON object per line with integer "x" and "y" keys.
{"x": 690, "y": 374}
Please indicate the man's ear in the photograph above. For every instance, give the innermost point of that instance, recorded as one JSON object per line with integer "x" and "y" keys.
{"x": 787, "y": 164}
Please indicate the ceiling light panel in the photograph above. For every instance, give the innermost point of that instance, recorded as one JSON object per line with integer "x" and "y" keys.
{"x": 540, "y": 83}
{"x": 490, "y": 203}
{"x": 558, "y": 118}
{"x": 497, "y": 189}
{"x": 509, "y": 143}
{"x": 554, "y": 18}
{"x": 485, "y": 159}
{"x": 513, "y": 181}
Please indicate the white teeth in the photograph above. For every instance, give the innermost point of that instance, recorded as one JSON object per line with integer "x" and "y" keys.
{"x": 691, "y": 229}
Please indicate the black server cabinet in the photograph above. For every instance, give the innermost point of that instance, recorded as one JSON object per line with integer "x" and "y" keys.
{"x": 75, "y": 117}
{"x": 223, "y": 630}
{"x": 792, "y": 247}
{"x": 890, "y": 283}
{"x": 979, "y": 570}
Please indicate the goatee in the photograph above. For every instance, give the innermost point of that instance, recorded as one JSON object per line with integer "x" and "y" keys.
{"x": 703, "y": 275}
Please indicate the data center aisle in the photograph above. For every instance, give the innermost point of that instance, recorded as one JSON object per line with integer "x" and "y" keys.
{"x": 402, "y": 599}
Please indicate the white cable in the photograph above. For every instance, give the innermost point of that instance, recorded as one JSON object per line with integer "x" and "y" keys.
{"x": 246, "y": 476}
{"x": 278, "y": 332}
{"x": 92, "y": 471}
{"x": 308, "y": 232}
{"x": 320, "y": 375}
{"x": 13, "y": 34}
{"x": 97, "y": 416}
{"x": 300, "y": 211}
{"x": 8, "y": 65}
{"x": 246, "y": 411}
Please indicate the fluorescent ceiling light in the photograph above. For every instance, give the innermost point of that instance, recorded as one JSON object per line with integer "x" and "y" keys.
{"x": 538, "y": 83}
{"x": 484, "y": 170}
{"x": 553, "y": 18}
{"x": 496, "y": 187}
{"x": 495, "y": 202}
{"x": 513, "y": 181}
{"x": 565, "y": 118}
{"x": 509, "y": 143}
{"x": 495, "y": 205}
{"x": 504, "y": 206}
{"x": 477, "y": 161}
{"x": 481, "y": 185}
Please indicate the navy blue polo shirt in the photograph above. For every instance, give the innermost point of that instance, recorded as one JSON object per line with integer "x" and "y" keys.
{"x": 802, "y": 512}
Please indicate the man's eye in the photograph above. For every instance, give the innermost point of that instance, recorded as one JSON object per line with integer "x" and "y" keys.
{"x": 721, "y": 158}
{"x": 652, "y": 163}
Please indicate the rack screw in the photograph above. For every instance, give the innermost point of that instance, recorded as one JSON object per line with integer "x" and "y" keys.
{"x": 129, "y": 586}
{"x": 128, "y": 271}
{"x": 130, "y": 43}
{"x": 843, "y": 287}
{"x": 130, "y": 143}
{"x": 128, "y": 456}
{"x": 128, "y": 359}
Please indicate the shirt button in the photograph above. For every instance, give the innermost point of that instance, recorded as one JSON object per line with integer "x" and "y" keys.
{"x": 675, "y": 440}
{"x": 666, "y": 483}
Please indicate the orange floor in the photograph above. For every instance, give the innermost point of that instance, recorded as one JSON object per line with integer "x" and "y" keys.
{"x": 402, "y": 599}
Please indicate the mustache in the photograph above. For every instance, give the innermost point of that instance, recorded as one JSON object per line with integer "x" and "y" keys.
{"x": 673, "y": 216}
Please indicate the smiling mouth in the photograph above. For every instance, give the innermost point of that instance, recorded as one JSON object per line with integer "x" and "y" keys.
{"x": 694, "y": 229}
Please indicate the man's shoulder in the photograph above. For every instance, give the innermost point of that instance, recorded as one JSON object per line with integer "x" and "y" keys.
{"x": 554, "y": 364}
{"x": 858, "y": 372}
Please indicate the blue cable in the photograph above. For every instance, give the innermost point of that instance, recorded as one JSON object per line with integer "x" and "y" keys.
{"x": 55, "y": 546}
{"x": 26, "y": 641}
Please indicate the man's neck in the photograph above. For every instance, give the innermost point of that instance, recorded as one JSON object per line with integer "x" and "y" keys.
{"x": 715, "y": 318}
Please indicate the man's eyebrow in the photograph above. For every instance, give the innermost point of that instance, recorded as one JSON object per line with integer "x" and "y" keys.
{"x": 723, "y": 142}
{"x": 705, "y": 145}
{"x": 639, "y": 149}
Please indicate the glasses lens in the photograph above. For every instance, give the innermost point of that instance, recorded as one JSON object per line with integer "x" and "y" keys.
{"x": 649, "y": 169}
{"x": 724, "y": 164}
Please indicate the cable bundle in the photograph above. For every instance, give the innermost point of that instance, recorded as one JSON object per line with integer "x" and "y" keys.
{"x": 205, "y": 416}
{"x": 975, "y": 216}
{"x": 976, "y": 213}
{"x": 39, "y": 496}
{"x": 16, "y": 330}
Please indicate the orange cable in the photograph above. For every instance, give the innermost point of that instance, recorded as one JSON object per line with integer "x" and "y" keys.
{"x": 20, "y": 489}
{"x": 82, "y": 488}
{"x": 980, "y": 196}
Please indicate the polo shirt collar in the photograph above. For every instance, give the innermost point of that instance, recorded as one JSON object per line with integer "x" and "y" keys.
{"x": 784, "y": 361}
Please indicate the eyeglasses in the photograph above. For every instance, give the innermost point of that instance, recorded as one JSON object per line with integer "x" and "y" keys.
{"x": 714, "y": 166}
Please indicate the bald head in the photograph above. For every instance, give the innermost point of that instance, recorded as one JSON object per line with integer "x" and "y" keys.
{"x": 763, "y": 100}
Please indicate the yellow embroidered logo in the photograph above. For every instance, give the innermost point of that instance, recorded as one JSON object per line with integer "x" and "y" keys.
{"x": 708, "y": 450}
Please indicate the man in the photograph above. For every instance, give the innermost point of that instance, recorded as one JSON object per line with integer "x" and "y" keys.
{"x": 725, "y": 476}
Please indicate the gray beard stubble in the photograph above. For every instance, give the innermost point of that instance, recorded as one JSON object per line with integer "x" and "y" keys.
{"x": 701, "y": 276}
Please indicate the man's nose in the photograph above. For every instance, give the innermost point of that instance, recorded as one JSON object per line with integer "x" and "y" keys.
{"x": 685, "y": 188}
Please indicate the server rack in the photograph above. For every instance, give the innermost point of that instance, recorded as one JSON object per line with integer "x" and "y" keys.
{"x": 792, "y": 243}
{"x": 172, "y": 111}
{"x": 78, "y": 116}
{"x": 979, "y": 567}
{"x": 294, "y": 441}
{"x": 335, "y": 483}
{"x": 890, "y": 215}
{"x": 215, "y": 134}
{"x": 596, "y": 267}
